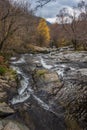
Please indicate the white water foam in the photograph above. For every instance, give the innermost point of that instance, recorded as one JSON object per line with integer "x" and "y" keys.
{"x": 45, "y": 65}
{"x": 24, "y": 85}
{"x": 21, "y": 60}
{"x": 20, "y": 98}
{"x": 60, "y": 72}
{"x": 40, "y": 102}
{"x": 17, "y": 69}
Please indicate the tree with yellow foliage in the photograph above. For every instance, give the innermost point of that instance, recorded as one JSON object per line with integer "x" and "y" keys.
{"x": 43, "y": 33}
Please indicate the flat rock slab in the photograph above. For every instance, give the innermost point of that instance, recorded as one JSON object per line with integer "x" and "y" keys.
{"x": 51, "y": 77}
{"x": 5, "y": 109}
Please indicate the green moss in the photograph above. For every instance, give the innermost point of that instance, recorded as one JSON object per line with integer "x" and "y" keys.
{"x": 11, "y": 74}
{"x": 41, "y": 72}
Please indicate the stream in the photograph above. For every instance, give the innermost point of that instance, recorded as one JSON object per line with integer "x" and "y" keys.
{"x": 69, "y": 66}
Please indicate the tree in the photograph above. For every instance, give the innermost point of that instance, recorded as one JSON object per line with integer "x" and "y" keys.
{"x": 16, "y": 20}
{"x": 75, "y": 25}
{"x": 8, "y": 17}
{"x": 41, "y": 3}
{"x": 43, "y": 33}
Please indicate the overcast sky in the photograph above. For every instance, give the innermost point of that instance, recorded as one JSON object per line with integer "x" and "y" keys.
{"x": 50, "y": 10}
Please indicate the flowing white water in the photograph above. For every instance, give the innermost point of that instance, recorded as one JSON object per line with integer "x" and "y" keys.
{"x": 25, "y": 91}
{"x": 59, "y": 69}
{"x": 40, "y": 102}
{"x": 24, "y": 84}
{"x": 44, "y": 64}
{"x": 21, "y": 60}
{"x": 23, "y": 94}
{"x": 20, "y": 98}
{"x": 60, "y": 72}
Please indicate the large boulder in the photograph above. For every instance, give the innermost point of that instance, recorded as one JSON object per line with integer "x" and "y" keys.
{"x": 47, "y": 81}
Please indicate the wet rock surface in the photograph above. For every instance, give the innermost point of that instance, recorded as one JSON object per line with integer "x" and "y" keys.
{"x": 52, "y": 94}
{"x": 8, "y": 88}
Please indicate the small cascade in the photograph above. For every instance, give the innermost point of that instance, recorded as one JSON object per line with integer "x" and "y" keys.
{"x": 58, "y": 68}
{"x": 44, "y": 64}
{"x": 25, "y": 91}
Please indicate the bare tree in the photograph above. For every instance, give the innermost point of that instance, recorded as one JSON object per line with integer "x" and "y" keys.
{"x": 41, "y": 3}
{"x": 15, "y": 19}
{"x": 74, "y": 24}
{"x": 8, "y": 15}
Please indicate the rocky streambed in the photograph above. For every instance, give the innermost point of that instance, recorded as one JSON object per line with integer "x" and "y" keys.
{"x": 52, "y": 90}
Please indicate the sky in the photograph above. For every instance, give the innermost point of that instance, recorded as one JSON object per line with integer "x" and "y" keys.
{"x": 50, "y": 10}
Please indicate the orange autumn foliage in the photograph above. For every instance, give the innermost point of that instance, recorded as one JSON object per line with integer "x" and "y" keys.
{"x": 43, "y": 33}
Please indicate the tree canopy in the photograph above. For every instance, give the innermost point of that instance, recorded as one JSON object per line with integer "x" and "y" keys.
{"x": 43, "y": 33}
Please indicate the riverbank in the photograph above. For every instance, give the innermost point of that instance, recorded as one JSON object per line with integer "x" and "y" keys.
{"x": 8, "y": 88}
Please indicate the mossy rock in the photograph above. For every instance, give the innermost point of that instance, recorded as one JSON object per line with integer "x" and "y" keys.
{"x": 41, "y": 72}
{"x": 11, "y": 74}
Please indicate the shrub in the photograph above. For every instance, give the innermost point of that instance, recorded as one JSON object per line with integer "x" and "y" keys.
{"x": 2, "y": 70}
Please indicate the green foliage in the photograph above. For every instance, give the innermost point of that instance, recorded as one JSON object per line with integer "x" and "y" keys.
{"x": 2, "y": 70}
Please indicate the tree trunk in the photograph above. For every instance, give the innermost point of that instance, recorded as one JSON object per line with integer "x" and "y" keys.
{"x": 74, "y": 41}
{"x": 1, "y": 45}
